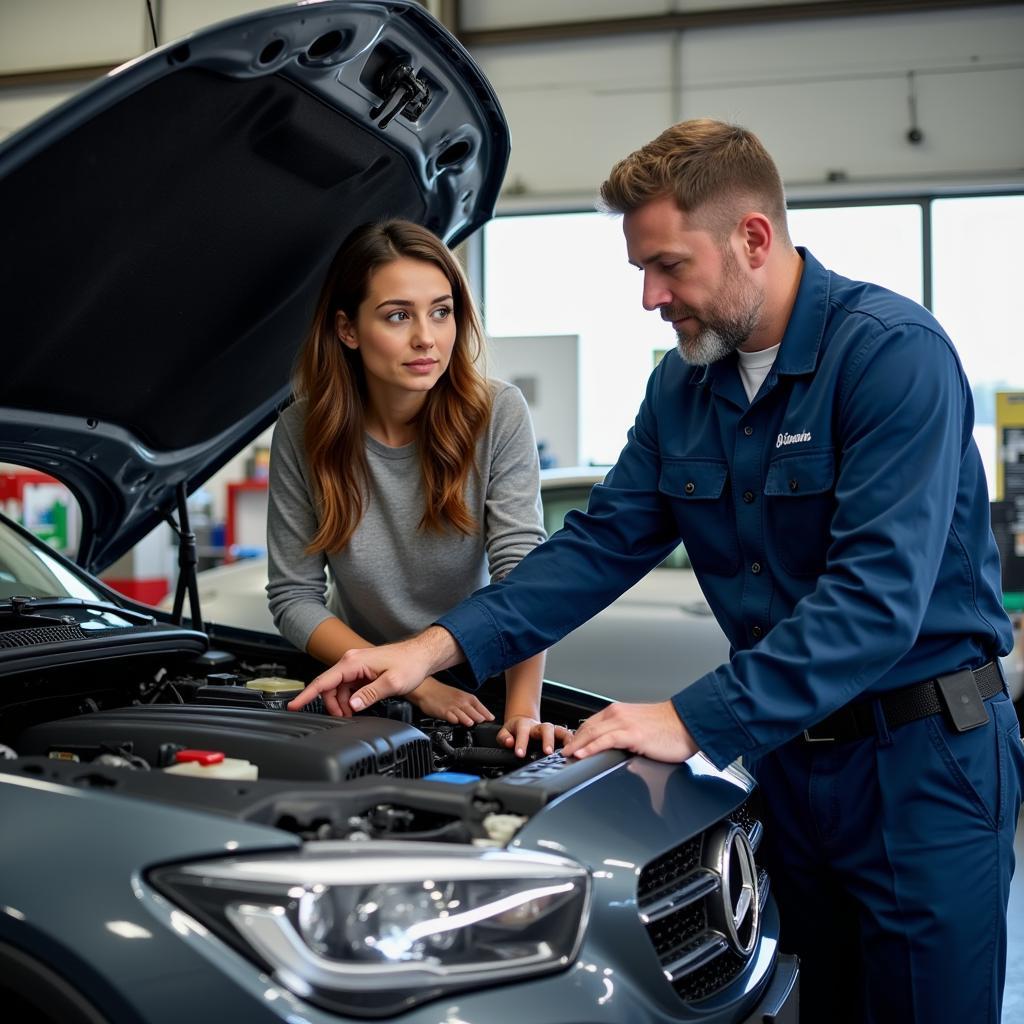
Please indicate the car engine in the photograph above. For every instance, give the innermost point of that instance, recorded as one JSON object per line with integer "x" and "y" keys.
{"x": 157, "y": 733}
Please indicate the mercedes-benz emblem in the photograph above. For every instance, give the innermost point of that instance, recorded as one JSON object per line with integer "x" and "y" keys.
{"x": 735, "y": 910}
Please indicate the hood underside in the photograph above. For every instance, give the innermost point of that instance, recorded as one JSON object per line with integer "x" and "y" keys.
{"x": 166, "y": 232}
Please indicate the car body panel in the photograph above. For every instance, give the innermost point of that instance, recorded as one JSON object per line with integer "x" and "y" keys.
{"x": 149, "y": 961}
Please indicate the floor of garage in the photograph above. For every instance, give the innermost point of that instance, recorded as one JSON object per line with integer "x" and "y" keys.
{"x": 1013, "y": 1000}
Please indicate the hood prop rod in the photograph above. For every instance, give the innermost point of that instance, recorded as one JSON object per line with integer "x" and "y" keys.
{"x": 188, "y": 559}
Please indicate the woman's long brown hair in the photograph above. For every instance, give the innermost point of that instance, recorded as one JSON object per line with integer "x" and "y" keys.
{"x": 330, "y": 377}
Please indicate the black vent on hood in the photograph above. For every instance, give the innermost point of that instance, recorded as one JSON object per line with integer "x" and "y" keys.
{"x": 41, "y": 635}
{"x": 184, "y": 235}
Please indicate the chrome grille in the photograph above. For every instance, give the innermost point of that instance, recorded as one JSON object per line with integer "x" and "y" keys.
{"x": 673, "y": 896}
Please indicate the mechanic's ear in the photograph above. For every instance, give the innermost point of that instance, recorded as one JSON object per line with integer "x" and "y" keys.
{"x": 756, "y": 236}
{"x": 346, "y": 330}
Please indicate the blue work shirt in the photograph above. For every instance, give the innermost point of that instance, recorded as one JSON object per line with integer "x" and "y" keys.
{"x": 838, "y": 523}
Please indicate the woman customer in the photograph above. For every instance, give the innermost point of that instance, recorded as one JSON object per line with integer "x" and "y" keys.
{"x": 401, "y": 469}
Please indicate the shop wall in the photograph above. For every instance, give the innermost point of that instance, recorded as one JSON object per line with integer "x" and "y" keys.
{"x": 830, "y": 96}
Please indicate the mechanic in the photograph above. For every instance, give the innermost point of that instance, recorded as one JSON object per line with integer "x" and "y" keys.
{"x": 810, "y": 441}
{"x": 402, "y": 469}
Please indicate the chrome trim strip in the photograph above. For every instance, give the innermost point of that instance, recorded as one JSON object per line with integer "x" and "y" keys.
{"x": 699, "y": 883}
{"x": 713, "y": 946}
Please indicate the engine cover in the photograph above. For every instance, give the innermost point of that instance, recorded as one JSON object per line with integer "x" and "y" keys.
{"x": 282, "y": 745}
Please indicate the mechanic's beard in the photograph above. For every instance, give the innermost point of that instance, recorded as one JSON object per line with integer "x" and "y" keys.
{"x": 726, "y": 327}
{"x": 710, "y": 343}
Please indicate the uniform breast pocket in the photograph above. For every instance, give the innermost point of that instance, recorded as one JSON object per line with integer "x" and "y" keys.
{"x": 698, "y": 491}
{"x": 799, "y": 502}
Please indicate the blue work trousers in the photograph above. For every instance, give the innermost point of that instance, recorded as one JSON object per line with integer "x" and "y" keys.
{"x": 891, "y": 860}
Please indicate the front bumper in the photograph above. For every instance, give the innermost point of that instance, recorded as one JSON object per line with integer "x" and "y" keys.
{"x": 781, "y": 1001}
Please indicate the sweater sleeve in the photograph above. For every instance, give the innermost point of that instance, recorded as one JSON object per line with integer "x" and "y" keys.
{"x": 297, "y": 582}
{"x": 514, "y": 521}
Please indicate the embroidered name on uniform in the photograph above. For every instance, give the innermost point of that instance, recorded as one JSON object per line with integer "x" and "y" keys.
{"x": 785, "y": 439}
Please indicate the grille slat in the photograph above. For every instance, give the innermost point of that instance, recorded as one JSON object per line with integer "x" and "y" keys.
{"x": 697, "y": 955}
{"x": 763, "y": 885}
{"x": 701, "y": 884}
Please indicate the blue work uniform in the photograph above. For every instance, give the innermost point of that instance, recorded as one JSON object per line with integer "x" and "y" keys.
{"x": 839, "y": 527}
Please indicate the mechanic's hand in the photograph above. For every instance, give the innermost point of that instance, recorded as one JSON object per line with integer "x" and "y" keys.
{"x": 520, "y": 729}
{"x": 654, "y": 730}
{"x": 439, "y": 700}
{"x": 366, "y": 675}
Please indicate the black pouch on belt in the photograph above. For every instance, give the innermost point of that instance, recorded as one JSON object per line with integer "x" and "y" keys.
{"x": 962, "y": 701}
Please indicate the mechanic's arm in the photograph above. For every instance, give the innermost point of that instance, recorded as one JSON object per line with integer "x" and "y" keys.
{"x": 903, "y": 427}
{"x": 597, "y": 555}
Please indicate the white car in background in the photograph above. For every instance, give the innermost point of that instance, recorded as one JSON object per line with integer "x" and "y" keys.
{"x": 654, "y": 640}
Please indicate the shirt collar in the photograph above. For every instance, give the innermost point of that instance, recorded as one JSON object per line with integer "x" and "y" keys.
{"x": 798, "y": 352}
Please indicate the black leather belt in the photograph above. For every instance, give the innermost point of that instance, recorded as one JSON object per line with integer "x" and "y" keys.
{"x": 907, "y": 704}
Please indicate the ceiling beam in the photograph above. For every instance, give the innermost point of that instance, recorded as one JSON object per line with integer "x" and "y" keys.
{"x": 731, "y": 17}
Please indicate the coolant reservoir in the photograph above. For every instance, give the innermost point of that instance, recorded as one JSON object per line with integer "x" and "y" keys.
{"x": 276, "y": 686}
{"x": 211, "y": 764}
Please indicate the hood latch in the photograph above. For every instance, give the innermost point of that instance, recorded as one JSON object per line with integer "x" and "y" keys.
{"x": 406, "y": 94}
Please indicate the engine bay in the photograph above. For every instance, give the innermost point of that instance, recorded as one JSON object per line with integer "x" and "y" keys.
{"x": 211, "y": 732}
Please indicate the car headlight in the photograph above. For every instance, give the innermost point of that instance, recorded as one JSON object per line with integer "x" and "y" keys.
{"x": 372, "y": 929}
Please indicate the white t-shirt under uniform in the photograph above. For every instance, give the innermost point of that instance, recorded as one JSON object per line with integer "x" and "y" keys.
{"x": 754, "y": 367}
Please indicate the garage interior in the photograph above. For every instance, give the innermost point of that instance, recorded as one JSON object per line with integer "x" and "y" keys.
{"x": 897, "y": 127}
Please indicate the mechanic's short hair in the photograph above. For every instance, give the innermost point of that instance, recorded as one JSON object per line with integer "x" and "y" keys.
{"x": 710, "y": 168}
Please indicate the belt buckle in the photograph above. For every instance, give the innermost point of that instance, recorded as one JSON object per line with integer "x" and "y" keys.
{"x": 808, "y": 738}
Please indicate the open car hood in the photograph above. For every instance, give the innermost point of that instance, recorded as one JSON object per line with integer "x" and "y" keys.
{"x": 165, "y": 233}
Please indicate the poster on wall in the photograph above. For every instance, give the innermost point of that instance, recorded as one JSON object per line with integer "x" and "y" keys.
{"x": 1010, "y": 493}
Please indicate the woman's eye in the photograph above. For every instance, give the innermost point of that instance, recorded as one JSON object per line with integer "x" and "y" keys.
{"x": 398, "y": 315}
{"x": 442, "y": 312}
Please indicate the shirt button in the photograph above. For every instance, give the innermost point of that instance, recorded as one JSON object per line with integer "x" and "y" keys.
{"x": 748, "y": 496}
{"x": 689, "y": 488}
{"x": 748, "y": 431}
{"x": 755, "y": 568}
{"x": 757, "y": 632}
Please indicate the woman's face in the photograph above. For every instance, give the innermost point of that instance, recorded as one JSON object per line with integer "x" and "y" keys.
{"x": 404, "y": 328}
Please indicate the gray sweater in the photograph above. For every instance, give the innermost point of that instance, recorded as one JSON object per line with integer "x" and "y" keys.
{"x": 394, "y": 578}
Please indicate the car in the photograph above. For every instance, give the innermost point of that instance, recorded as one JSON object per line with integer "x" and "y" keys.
{"x": 177, "y": 845}
{"x": 656, "y": 638}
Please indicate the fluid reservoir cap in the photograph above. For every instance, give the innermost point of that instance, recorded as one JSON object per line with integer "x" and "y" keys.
{"x": 456, "y": 778}
{"x": 199, "y": 756}
{"x": 275, "y": 685}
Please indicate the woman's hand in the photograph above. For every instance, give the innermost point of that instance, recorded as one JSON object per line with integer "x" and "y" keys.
{"x": 520, "y": 729}
{"x": 438, "y": 700}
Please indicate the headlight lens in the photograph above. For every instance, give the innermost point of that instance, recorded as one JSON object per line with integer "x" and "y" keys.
{"x": 374, "y": 929}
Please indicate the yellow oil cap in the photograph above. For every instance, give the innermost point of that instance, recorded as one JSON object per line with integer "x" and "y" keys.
{"x": 275, "y": 685}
